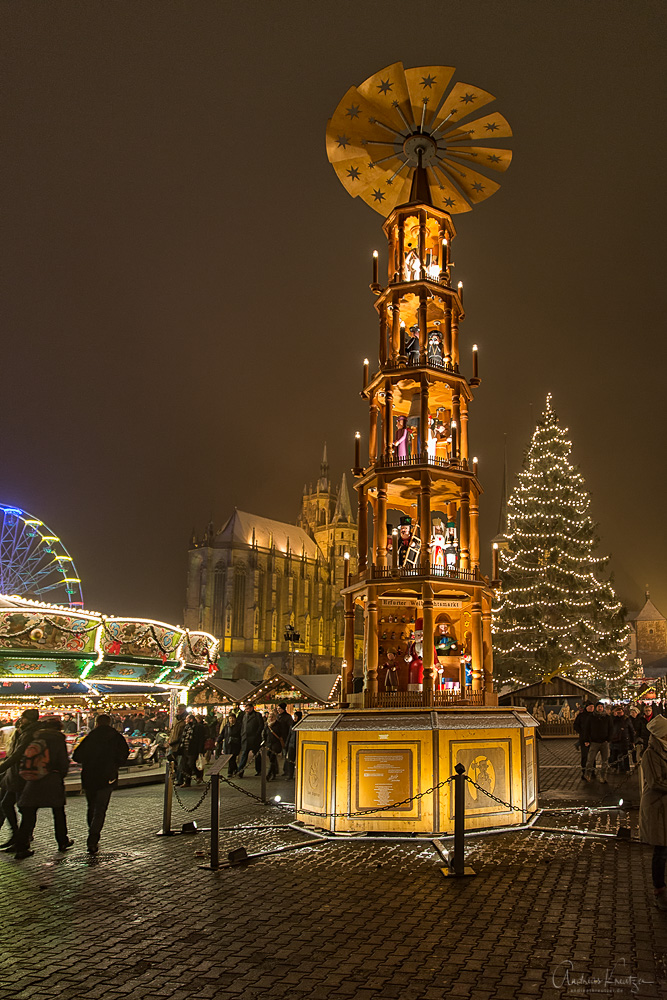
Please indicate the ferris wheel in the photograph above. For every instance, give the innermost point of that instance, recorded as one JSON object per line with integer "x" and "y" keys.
{"x": 34, "y": 563}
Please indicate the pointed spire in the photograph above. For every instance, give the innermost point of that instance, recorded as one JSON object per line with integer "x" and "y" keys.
{"x": 343, "y": 506}
{"x": 419, "y": 189}
{"x": 323, "y": 481}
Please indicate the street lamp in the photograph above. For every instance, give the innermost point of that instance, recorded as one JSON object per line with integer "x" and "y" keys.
{"x": 293, "y": 637}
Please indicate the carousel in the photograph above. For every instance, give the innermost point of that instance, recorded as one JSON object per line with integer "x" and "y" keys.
{"x": 61, "y": 659}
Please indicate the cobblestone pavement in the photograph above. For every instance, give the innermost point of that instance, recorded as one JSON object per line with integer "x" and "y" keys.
{"x": 354, "y": 919}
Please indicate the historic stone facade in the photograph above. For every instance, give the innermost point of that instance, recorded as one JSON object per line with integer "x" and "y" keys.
{"x": 255, "y": 576}
{"x": 649, "y": 637}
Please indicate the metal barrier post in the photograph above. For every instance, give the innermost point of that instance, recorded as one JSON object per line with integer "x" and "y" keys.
{"x": 456, "y": 865}
{"x": 215, "y": 821}
{"x": 263, "y": 791}
{"x": 166, "y": 830}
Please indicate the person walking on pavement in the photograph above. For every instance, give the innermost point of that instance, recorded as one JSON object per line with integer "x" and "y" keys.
{"x": 290, "y": 756}
{"x": 621, "y": 740}
{"x": 653, "y": 805}
{"x": 596, "y": 732}
{"x": 100, "y": 754}
{"x": 282, "y": 728}
{"x": 11, "y": 783}
{"x": 43, "y": 767}
{"x": 252, "y": 731}
{"x": 175, "y": 734}
{"x": 274, "y": 744}
{"x": 231, "y": 741}
{"x": 192, "y": 744}
{"x": 641, "y": 733}
{"x": 578, "y": 725}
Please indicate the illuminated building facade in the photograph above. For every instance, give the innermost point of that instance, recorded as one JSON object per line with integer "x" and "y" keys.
{"x": 255, "y": 577}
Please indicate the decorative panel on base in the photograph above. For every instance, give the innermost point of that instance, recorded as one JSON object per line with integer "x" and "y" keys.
{"x": 353, "y": 764}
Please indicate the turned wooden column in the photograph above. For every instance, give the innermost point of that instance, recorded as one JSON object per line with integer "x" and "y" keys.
{"x": 395, "y": 332}
{"x": 477, "y": 647}
{"x": 422, "y": 244}
{"x": 456, "y": 416}
{"x": 373, "y": 432}
{"x": 425, "y": 522}
{"x": 464, "y": 431}
{"x": 423, "y": 343}
{"x": 488, "y": 650}
{"x": 455, "y": 340}
{"x": 362, "y": 531}
{"x": 464, "y": 531}
{"x": 388, "y": 422}
{"x": 423, "y": 419}
{"x": 474, "y": 532}
{"x": 347, "y": 685}
{"x": 383, "y": 335}
{"x": 428, "y": 657}
{"x": 381, "y": 525}
{"x": 401, "y": 250}
{"x": 372, "y": 642}
{"x": 447, "y": 332}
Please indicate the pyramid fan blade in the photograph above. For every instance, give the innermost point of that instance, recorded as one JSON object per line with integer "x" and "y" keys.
{"x": 354, "y": 174}
{"x": 481, "y": 156}
{"x": 384, "y": 197}
{"x": 388, "y": 91}
{"x": 427, "y": 83}
{"x": 493, "y": 126}
{"x": 461, "y": 101}
{"x": 349, "y": 129}
{"x": 444, "y": 194}
{"x": 474, "y": 185}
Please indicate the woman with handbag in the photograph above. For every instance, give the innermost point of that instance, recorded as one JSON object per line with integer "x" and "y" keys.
{"x": 231, "y": 741}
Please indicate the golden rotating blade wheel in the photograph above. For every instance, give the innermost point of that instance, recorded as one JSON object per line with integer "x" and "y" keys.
{"x": 400, "y": 118}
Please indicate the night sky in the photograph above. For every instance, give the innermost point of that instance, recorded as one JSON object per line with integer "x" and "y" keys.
{"x": 185, "y": 281}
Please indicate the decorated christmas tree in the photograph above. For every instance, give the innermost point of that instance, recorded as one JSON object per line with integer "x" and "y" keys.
{"x": 556, "y": 612}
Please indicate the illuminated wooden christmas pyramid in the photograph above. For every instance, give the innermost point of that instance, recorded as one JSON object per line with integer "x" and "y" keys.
{"x": 411, "y": 146}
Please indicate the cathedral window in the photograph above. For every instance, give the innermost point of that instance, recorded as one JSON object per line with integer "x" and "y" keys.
{"x": 274, "y": 625}
{"x": 321, "y": 636}
{"x": 306, "y": 631}
{"x": 219, "y": 582}
{"x": 239, "y": 601}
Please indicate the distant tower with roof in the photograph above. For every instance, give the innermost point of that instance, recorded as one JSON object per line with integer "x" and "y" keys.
{"x": 650, "y": 628}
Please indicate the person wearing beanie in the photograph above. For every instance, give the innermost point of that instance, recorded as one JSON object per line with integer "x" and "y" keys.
{"x": 596, "y": 732}
{"x": 653, "y": 805}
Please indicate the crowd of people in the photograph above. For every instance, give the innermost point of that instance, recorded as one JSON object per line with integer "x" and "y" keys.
{"x": 618, "y": 734}
{"x": 241, "y": 734}
{"x": 32, "y": 777}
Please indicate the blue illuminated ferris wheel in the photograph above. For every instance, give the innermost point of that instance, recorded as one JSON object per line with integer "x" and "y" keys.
{"x": 34, "y": 563}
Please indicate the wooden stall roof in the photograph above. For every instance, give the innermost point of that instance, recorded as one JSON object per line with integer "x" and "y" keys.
{"x": 231, "y": 692}
{"x": 321, "y": 688}
{"x": 558, "y": 686}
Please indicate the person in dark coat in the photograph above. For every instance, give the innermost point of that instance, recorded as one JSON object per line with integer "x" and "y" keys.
{"x": 273, "y": 742}
{"x": 596, "y": 731}
{"x": 578, "y": 725}
{"x": 100, "y": 754}
{"x": 231, "y": 741}
{"x": 621, "y": 740}
{"x": 47, "y": 792}
{"x": 653, "y": 805}
{"x": 192, "y": 744}
{"x": 252, "y": 732}
{"x": 290, "y": 753}
{"x": 11, "y": 784}
{"x": 641, "y": 733}
{"x": 282, "y": 728}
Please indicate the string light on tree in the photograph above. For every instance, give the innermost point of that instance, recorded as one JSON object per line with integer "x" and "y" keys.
{"x": 556, "y": 611}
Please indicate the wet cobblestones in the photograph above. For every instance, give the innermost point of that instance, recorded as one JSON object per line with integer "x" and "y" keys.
{"x": 370, "y": 919}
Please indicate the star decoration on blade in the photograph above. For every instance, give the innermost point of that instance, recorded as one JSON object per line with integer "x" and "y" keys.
{"x": 384, "y": 86}
{"x": 494, "y": 158}
{"x": 353, "y": 111}
{"x": 343, "y": 141}
{"x": 428, "y": 81}
{"x": 491, "y": 127}
{"x": 448, "y": 202}
{"x": 353, "y": 173}
{"x": 467, "y": 98}
{"x": 478, "y": 187}
{"x": 378, "y": 195}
